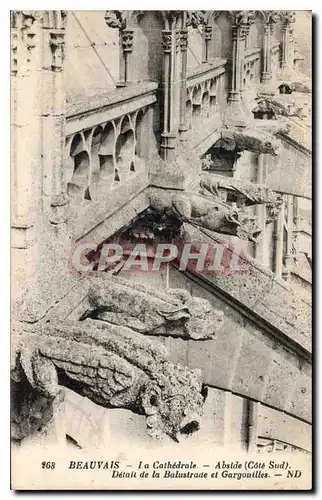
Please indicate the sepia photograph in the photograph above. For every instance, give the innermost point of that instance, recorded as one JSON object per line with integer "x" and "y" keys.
{"x": 161, "y": 250}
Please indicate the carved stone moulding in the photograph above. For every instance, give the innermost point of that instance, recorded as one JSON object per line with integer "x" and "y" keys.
{"x": 151, "y": 226}
{"x": 57, "y": 45}
{"x": 196, "y": 18}
{"x": 24, "y": 29}
{"x": 116, "y": 19}
{"x": 26, "y": 34}
{"x": 287, "y": 16}
{"x": 167, "y": 37}
{"x": 127, "y": 40}
{"x": 184, "y": 40}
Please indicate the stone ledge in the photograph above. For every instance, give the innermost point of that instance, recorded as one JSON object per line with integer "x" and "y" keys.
{"x": 104, "y": 99}
{"x": 205, "y": 72}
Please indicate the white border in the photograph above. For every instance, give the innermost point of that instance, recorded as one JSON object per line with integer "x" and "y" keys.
{"x": 5, "y": 183}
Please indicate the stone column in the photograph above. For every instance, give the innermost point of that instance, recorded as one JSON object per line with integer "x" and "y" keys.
{"x": 289, "y": 241}
{"x": 126, "y": 62}
{"x": 267, "y": 54}
{"x": 26, "y": 128}
{"x": 279, "y": 242}
{"x": 183, "y": 89}
{"x": 38, "y": 189}
{"x": 284, "y": 46}
{"x": 207, "y": 35}
{"x": 237, "y": 114}
{"x": 288, "y": 19}
{"x": 171, "y": 105}
{"x": 261, "y": 211}
{"x": 271, "y": 19}
{"x": 291, "y": 53}
{"x": 55, "y": 200}
{"x": 118, "y": 19}
{"x": 271, "y": 38}
{"x": 296, "y": 221}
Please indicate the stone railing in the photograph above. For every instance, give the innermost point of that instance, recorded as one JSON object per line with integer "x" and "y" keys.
{"x": 204, "y": 89}
{"x": 252, "y": 66}
{"x": 107, "y": 140}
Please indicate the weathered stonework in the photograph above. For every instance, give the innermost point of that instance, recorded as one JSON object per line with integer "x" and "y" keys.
{"x": 111, "y": 365}
{"x": 206, "y": 213}
{"x": 23, "y": 40}
{"x": 174, "y": 313}
{"x": 248, "y": 140}
{"x": 115, "y": 19}
{"x": 277, "y": 106}
{"x": 94, "y": 173}
{"x": 197, "y": 18}
{"x": 243, "y": 193}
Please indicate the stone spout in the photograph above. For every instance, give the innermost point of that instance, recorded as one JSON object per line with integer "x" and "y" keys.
{"x": 211, "y": 214}
{"x": 174, "y": 313}
{"x": 111, "y": 365}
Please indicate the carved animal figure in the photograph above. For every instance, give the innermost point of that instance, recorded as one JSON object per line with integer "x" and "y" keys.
{"x": 242, "y": 193}
{"x": 175, "y": 313}
{"x": 112, "y": 366}
{"x": 207, "y": 213}
{"x": 283, "y": 105}
{"x": 247, "y": 140}
{"x": 303, "y": 87}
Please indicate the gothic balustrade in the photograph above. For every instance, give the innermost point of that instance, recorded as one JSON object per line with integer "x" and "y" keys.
{"x": 107, "y": 141}
{"x": 204, "y": 91}
{"x": 108, "y": 138}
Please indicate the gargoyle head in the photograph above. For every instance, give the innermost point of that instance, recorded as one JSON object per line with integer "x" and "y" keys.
{"x": 246, "y": 225}
{"x": 205, "y": 321}
{"x": 270, "y": 147}
{"x": 197, "y": 317}
{"x": 173, "y": 405}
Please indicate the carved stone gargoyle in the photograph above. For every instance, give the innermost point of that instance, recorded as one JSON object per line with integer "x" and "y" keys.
{"x": 207, "y": 213}
{"x": 233, "y": 142}
{"x": 265, "y": 110}
{"x": 174, "y": 313}
{"x": 304, "y": 87}
{"x": 247, "y": 140}
{"x": 282, "y": 105}
{"x": 113, "y": 366}
{"x": 242, "y": 193}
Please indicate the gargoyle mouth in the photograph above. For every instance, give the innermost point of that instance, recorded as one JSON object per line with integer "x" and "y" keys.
{"x": 190, "y": 428}
{"x": 254, "y": 237}
{"x": 187, "y": 428}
